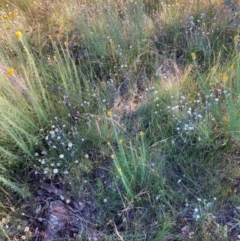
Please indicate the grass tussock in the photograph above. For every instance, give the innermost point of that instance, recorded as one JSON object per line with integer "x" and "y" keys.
{"x": 123, "y": 117}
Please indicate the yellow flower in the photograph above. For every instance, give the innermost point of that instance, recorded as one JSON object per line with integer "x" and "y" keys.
{"x": 119, "y": 169}
{"x": 225, "y": 78}
{"x": 193, "y": 56}
{"x": 14, "y": 14}
{"x": 120, "y": 141}
{"x": 6, "y": 17}
{"x": 141, "y": 133}
{"x": 18, "y": 34}
{"x": 109, "y": 113}
{"x": 109, "y": 144}
{"x": 236, "y": 38}
{"x": 112, "y": 156}
{"x": 10, "y": 71}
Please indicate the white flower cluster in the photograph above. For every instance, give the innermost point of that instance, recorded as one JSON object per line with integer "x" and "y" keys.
{"x": 201, "y": 209}
{"x": 59, "y": 152}
{"x": 188, "y": 113}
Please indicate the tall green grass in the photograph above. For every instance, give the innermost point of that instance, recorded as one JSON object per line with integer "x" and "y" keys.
{"x": 158, "y": 159}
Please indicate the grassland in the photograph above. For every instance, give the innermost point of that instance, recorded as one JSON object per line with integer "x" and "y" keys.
{"x": 119, "y": 120}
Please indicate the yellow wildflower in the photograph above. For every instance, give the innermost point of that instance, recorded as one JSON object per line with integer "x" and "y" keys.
{"x": 109, "y": 144}
{"x": 193, "y": 56}
{"x": 119, "y": 169}
{"x": 225, "y": 78}
{"x": 10, "y": 71}
{"x": 236, "y": 38}
{"x": 109, "y": 113}
{"x": 112, "y": 156}
{"x": 120, "y": 141}
{"x": 18, "y": 34}
{"x": 6, "y": 17}
{"x": 141, "y": 133}
{"x": 14, "y": 14}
